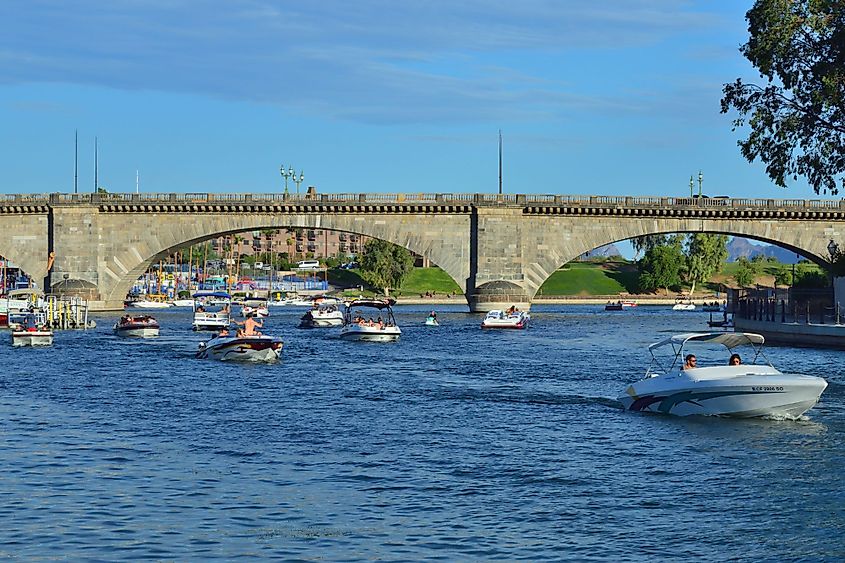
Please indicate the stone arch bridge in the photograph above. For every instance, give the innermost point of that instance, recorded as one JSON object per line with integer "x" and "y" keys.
{"x": 498, "y": 248}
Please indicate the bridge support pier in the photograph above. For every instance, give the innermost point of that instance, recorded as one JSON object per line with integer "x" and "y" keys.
{"x": 498, "y": 295}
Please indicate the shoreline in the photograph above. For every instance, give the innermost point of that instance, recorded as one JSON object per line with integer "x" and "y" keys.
{"x": 644, "y": 301}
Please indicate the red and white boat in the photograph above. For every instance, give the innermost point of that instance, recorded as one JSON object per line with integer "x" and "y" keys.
{"x": 31, "y": 331}
{"x": 139, "y": 326}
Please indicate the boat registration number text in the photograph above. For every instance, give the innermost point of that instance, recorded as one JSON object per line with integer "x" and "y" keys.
{"x": 768, "y": 388}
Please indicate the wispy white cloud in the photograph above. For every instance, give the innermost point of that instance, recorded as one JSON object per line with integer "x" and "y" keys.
{"x": 375, "y": 61}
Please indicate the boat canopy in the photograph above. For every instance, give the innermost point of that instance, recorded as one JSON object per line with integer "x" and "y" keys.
{"x": 729, "y": 340}
{"x": 377, "y": 303}
{"x": 221, "y": 294}
{"x": 25, "y": 292}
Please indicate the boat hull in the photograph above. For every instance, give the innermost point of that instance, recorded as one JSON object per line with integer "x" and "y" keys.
{"x": 519, "y": 325}
{"x": 431, "y": 322}
{"x": 782, "y": 395}
{"x": 29, "y": 338}
{"x": 320, "y": 323}
{"x": 149, "y": 305}
{"x": 243, "y": 349}
{"x": 370, "y": 334}
{"x": 137, "y": 332}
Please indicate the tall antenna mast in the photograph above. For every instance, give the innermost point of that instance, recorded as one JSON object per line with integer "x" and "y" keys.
{"x": 137, "y": 181}
{"x": 96, "y": 169}
{"x": 500, "y": 161}
{"x": 76, "y": 161}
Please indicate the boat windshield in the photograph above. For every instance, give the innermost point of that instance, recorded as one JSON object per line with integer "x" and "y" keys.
{"x": 679, "y": 345}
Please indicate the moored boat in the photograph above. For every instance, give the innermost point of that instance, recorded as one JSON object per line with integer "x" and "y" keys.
{"x": 150, "y": 301}
{"x": 511, "y": 318}
{"x": 138, "y": 326}
{"x": 235, "y": 347}
{"x": 358, "y": 327}
{"x": 756, "y": 389}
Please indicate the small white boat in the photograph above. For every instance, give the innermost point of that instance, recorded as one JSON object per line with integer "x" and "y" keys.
{"x": 683, "y": 305}
{"x": 212, "y": 310}
{"x": 738, "y": 390}
{"x": 322, "y": 316}
{"x": 255, "y": 308}
{"x": 182, "y": 302}
{"x": 151, "y": 301}
{"x": 256, "y": 348}
{"x": 358, "y": 326}
{"x": 512, "y": 318}
{"x": 138, "y": 326}
{"x": 31, "y": 331}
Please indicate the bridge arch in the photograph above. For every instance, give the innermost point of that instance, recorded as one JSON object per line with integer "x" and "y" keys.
{"x": 567, "y": 241}
{"x": 24, "y": 241}
{"x": 420, "y": 234}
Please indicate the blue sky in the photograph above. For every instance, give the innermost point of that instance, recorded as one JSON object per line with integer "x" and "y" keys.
{"x": 610, "y": 97}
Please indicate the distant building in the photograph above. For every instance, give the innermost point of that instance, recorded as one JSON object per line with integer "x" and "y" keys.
{"x": 297, "y": 243}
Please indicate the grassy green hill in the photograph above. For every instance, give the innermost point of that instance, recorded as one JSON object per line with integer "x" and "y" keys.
{"x": 592, "y": 278}
{"x": 419, "y": 281}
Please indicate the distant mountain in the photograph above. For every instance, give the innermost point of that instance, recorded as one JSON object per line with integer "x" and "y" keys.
{"x": 605, "y": 251}
{"x": 738, "y": 247}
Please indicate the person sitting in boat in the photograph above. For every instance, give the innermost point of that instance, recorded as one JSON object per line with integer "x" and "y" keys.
{"x": 223, "y": 332}
{"x": 200, "y": 309}
{"x": 690, "y": 362}
{"x": 432, "y": 315}
{"x": 735, "y": 360}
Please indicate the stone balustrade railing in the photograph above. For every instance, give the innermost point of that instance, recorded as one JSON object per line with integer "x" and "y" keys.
{"x": 422, "y": 199}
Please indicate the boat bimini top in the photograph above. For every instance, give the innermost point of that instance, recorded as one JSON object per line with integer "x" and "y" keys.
{"x": 678, "y": 342}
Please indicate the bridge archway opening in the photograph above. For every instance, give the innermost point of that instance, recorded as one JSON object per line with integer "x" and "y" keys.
{"x": 14, "y": 276}
{"x": 286, "y": 244}
{"x": 618, "y": 273}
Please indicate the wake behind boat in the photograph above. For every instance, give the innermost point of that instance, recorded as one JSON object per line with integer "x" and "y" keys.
{"x": 138, "y": 326}
{"x": 736, "y": 390}
{"x": 235, "y": 347}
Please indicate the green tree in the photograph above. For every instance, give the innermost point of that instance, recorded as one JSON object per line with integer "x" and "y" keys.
{"x": 646, "y": 243}
{"x": 797, "y": 119}
{"x": 747, "y": 272}
{"x": 783, "y": 277}
{"x": 661, "y": 267}
{"x": 384, "y": 265}
{"x": 705, "y": 256}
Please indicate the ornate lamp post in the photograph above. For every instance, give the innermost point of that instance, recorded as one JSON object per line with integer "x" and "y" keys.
{"x": 299, "y": 180}
{"x": 285, "y": 175}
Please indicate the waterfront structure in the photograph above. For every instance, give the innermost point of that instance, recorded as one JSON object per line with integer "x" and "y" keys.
{"x": 499, "y": 248}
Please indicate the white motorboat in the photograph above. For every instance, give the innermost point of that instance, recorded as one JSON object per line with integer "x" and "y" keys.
{"x": 683, "y": 305}
{"x": 255, "y": 348}
{"x": 182, "y": 302}
{"x": 358, "y": 326}
{"x": 741, "y": 390}
{"x": 151, "y": 301}
{"x": 255, "y": 308}
{"x": 138, "y": 326}
{"x": 322, "y": 316}
{"x": 511, "y": 318}
{"x": 31, "y": 331}
{"x": 212, "y": 310}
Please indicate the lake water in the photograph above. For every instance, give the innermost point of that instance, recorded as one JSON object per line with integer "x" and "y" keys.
{"x": 453, "y": 443}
